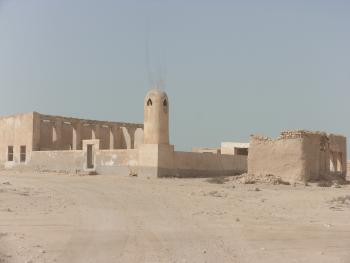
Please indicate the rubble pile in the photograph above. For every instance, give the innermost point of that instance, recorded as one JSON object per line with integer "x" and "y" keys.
{"x": 252, "y": 179}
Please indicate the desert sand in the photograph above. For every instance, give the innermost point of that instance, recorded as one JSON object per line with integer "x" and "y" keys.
{"x": 69, "y": 218}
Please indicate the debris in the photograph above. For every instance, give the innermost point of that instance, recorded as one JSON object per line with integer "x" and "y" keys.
{"x": 218, "y": 180}
{"x": 133, "y": 174}
{"x": 324, "y": 184}
{"x": 252, "y": 179}
{"x": 344, "y": 200}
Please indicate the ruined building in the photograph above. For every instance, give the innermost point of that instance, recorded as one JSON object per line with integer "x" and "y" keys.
{"x": 49, "y": 143}
{"x": 299, "y": 156}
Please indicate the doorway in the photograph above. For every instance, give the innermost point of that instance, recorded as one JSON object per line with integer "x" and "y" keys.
{"x": 90, "y": 157}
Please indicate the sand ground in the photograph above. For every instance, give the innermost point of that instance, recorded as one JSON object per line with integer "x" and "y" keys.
{"x": 66, "y": 218}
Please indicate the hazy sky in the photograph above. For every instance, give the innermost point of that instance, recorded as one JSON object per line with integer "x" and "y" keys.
{"x": 231, "y": 68}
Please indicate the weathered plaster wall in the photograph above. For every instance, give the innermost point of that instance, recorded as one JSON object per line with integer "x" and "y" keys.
{"x": 121, "y": 162}
{"x": 16, "y": 131}
{"x": 189, "y": 164}
{"x": 297, "y": 155}
{"x": 118, "y": 162}
{"x": 156, "y": 160}
{"x": 316, "y": 154}
{"x": 138, "y": 135}
{"x": 284, "y": 158}
{"x": 57, "y": 161}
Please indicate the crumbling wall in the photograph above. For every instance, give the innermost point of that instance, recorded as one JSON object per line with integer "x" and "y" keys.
{"x": 281, "y": 157}
{"x": 297, "y": 155}
{"x": 316, "y": 154}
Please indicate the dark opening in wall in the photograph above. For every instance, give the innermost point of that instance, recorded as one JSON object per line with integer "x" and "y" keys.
{"x": 23, "y": 153}
{"x": 90, "y": 157}
{"x": 241, "y": 151}
{"x": 149, "y": 102}
{"x": 10, "y": 153}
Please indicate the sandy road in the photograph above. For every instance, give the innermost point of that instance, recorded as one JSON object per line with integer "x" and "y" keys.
{"x": 62, "y": 218}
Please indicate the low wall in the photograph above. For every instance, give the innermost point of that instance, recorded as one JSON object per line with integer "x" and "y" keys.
{"x": 190, "y": 164}
{"x": 122, "y": 162}
{"x": 57, "y": 161}
{"x": 119, "y": 162}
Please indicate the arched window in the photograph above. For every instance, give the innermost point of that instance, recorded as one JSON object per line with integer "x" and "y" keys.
{"x": 149, "y": 102}
{"x": 165, "y": 103}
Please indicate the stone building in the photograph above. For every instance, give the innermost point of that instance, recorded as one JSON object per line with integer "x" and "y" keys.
{"x": 24, "y": 137}
{"x": 299, "y": 156}
{"x": 50, "y": 143}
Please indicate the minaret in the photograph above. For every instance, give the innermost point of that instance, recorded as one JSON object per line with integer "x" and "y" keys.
{"x": 156, "y": 155}
{"x": 156, "y": 117}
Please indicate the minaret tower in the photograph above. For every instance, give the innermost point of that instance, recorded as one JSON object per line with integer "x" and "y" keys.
{"x": 156, "y": 117}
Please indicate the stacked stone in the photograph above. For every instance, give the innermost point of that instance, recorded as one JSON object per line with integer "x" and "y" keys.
{"x": 260, "y": 138}
{"x": 299, "y": 134}
{"x": 291, "y": 134}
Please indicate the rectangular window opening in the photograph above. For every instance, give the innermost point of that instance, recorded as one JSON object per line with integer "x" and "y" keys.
{"x": 241, "y": 151}
{"x": 23, "y": 153}
{"x": 10, "y": 153}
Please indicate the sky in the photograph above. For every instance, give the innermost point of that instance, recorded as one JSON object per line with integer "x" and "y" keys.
{"x": 230, "y": 68}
